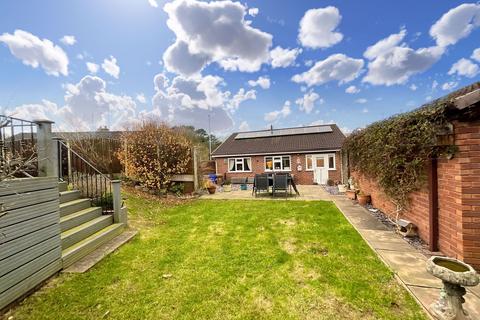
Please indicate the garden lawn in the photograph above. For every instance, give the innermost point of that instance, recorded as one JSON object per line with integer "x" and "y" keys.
{"x": 211, "y": 259}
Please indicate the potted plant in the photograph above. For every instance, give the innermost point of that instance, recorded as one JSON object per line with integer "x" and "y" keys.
{"x": 227, "y": 186}
{"x": 351, "y": 194}
{"x": 210, "y": 186}
{"x": 363, "y": 198}
{"x": 342, "y": 188}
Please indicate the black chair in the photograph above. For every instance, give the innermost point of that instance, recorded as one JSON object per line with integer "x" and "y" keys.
{"x": 280, "y": 183}
{"x": 260, "y": 183}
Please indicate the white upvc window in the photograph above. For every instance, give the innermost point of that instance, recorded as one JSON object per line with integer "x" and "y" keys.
{"x": 239, "y": 164}
{"x": 320, "y": 161}
{"x": 278, "y": 163}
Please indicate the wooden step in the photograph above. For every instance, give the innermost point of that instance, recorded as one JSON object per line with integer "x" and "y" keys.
{"x": 62, "y": 186}
{"x": 84, "y": 247}
{"x": 77, "y": 218}
{"x": 77, "y": 234}
{"x": 74, "y": 206}
{"x": 66, "y": 196}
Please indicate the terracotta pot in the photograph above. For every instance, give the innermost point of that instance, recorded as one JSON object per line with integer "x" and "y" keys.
{"x": 363, "y": 199}
{"x": 342, "y": 188}
{"x": 351, "y": 194}
{"x": 211, "y": 190}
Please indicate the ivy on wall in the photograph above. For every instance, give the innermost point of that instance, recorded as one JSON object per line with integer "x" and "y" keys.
{"x": 395, "y": 151}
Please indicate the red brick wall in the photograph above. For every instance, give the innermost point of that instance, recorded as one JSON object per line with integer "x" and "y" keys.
{"x": 258, "y": 165}
{"x": 458, "y": 198}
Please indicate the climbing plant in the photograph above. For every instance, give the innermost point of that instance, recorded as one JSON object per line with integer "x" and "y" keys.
{"x": 395, "y": 151}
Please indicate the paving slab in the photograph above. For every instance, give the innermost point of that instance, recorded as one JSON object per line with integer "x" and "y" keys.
{"x": 391, "y": 246}
{"x": 475, "y": 290}
{"x": 429, "y": 295}
{"x": 410, "y": 267}
{"x": 383, "y": 235}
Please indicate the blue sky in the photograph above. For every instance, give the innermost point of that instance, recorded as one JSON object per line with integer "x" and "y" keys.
{"x": 247, "y": 64}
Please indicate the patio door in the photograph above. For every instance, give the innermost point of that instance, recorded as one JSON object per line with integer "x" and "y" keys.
{"x": 320, "y": 169}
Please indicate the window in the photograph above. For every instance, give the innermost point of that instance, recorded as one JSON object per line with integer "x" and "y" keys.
{"x": 239, "y": 164}
{"x": 277, "y": 163}
{"x": 309, "y": 162}
{"x": 331, "y": 161}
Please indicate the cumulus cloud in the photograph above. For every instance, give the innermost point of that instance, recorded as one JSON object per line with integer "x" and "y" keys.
{"x": 361, "y": 101}
{"x": 253, "y": 12}
{"x": 141, "y": 98}
{"x": 456, "y": 24}
{"x": 38, "y": 111}
{"x": 92, "y": 67}
{"x": 337, "y": 67}
{"x": 476, "y": 54}
{"x": 307, "y": 102}
{"x": 244, "y": 126}
{"x": 392, "y": 62}
{"x": 464, "y": 67}
{"x": 318, "y": 28}
{"x": 153, "y": 3}
{"x": 213, "y": 32}
{"x": 68, "y": 40}
{"x": 449, "y": 85}
{"x": 111, "y": 67}
{"x": 352, "y": 90}
{"x": 36, "y": 52}
{"x": 240, "y": 97}
{"x": 277, "y": 114}
{"x": 282, "y": 58}
{"x": 262, "y": 82}
{"x": 413, "y": 87}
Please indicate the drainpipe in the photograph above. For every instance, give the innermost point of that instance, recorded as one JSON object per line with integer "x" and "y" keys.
{"x": 433, "y": 205}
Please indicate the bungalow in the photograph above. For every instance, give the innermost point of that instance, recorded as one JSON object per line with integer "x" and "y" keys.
{"x": 311, "y": 154}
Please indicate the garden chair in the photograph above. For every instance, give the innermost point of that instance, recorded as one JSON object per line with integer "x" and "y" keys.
{"x": 280, "y": 183}
{"x": 260, "y": 183}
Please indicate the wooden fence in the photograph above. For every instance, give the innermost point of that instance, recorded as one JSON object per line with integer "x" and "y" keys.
{"x": 30, "y": 246}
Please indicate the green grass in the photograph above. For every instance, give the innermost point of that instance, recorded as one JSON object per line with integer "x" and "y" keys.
{"x": 231, "y": 260}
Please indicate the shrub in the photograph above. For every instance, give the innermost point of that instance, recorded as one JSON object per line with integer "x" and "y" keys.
{"x": 153, "y": 153}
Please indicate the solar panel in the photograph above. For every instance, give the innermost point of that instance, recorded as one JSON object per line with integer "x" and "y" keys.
{"x": 283, "y": 132}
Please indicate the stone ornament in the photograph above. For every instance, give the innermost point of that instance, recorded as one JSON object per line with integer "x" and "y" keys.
{"x": 454, "y": 274}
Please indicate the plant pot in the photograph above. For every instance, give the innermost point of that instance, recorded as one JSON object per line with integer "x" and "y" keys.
{"x": 211, "y": 190}
{"x": 351, "y": 194}
{"x": 227, "y": 187}
{"x": 342, "y": 188}
{"x": 363, "y": 199}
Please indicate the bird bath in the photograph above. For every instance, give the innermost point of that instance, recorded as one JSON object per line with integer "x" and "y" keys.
{"x": 454, "y": 275}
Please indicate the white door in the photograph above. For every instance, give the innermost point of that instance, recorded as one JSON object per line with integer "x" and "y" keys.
{"x": 320, "y": 170}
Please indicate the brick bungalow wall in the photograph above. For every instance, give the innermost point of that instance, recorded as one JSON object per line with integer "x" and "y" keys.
{"x": 301, "y": 177}
{"x": 458, "y": 198}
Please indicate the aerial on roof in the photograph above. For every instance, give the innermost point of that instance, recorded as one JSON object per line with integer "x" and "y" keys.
{"x": 285, "y": 140}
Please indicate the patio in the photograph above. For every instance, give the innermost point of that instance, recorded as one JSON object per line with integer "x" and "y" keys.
{"x": 307, "y": 192}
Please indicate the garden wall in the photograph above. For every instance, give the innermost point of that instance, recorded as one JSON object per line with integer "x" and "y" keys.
{"x": 30, "y": 246}
{"x": 458, "y": 198}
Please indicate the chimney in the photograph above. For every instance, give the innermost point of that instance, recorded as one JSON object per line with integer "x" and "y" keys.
{"x": 271, "y": 128}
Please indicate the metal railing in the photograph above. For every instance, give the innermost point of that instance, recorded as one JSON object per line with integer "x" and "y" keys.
{"x": 83, "y": 176}
{"x": 18, "y": 147}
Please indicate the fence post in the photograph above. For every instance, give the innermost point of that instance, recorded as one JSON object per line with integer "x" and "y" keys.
{"x": 47, "y": 159}
{"x": 118, "y": 215}
{"x": 69, "y": 160}
{"x": 195, "y": 169}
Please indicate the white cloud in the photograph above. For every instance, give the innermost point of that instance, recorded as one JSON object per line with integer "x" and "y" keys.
{"x": 434, "y": 84}
{"x": 282, "y": 58}
{"x": 361, "y": 101}
{"x": 43, "y": 110}
{"x": 456, "y": 24}
{"x": 35, "y": 52}
{"x": 476, "y": 54}
{"x": 307, "y": 102}
{"x": 68, "y": 40}
{"x": 110, "y": 66}
{"x": 449, "y": 85}
{"x": 213, "y": 32}
{"x": 92, "y": 67}
{"x": 364, "y": 110}
{"x": 253, "y": 11}
{"x": 282, "y": 113}
{"x": 337, "y": 67}
{"x": 244, "y": 126}
{"x": 153, "y": 3}
{"x": 413, "y": 87}
{"x": 464, "y": 67}
{"x": 318, "y": 28}
{"x": 141, "y": 98}
{"x": 263, "y": 82}
{"x": 394, "y": 63}
{"x": 240, "y": 97}
{"x": 352, "y": 90}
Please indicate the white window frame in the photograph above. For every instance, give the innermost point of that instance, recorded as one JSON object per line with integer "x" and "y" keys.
{"x": 328, "y": 156}
{"x": 273, "y": 163}
{"x": 243, "y": 164}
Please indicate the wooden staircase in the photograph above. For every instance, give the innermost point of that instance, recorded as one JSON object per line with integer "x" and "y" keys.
{"x": 83, "y": 227}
